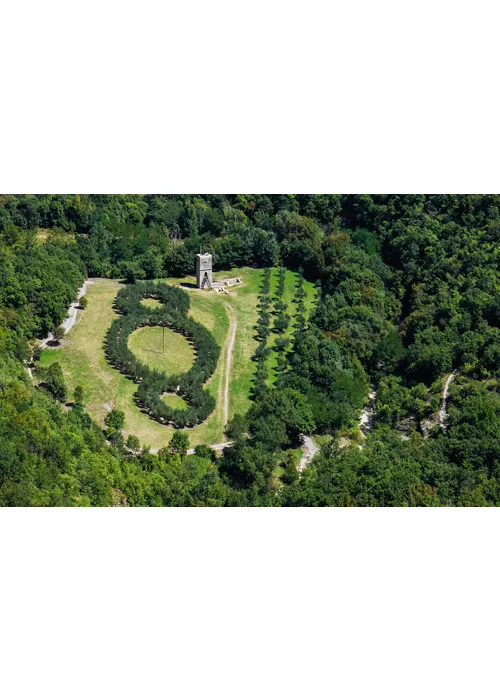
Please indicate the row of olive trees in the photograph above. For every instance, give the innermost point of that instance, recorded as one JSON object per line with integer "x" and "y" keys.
{"x": 281, "y": 323}
{"x": 263, "y": 329}
{"x": 154, "y": 383}
{"x": 300, "y": 295}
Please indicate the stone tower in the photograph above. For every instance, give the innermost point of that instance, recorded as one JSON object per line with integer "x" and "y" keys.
{"x": 204, "y": 270}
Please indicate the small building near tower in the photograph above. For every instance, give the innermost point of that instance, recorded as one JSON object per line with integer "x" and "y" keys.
{"x": 204, "y": 271}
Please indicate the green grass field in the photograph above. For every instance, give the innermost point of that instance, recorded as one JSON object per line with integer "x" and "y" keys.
{"x": 82, "y": 357}
{"x": 147, "y": 345}
{"x": 240, "y": 301}
{"x": 151, "y": 303}
{"x": 174, "y": 401}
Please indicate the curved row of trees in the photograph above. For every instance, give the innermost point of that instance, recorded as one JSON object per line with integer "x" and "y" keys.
{"x": 154, "y": 383}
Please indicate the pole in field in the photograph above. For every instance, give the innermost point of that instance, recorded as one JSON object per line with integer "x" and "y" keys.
{"x": 163, "y": 339}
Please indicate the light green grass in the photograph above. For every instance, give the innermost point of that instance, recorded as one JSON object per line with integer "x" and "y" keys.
{"x": 174, "y": 401}
{"x": 49, "y": 356}
{"x": 209, "y": 308}
{"x": 151, "y": 303}
{"x": 83, "y": 360}
{"x": 244, "y": 302}
{"x": 147, "y": 345}
{"x": 322, "y": 440}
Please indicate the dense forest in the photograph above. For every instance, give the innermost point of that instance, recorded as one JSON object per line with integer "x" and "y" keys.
{"x": 408, "y": 292}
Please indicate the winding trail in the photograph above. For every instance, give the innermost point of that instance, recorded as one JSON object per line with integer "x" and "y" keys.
{"x": 442, "y": 415}
{"x": 73, "y": 309}
{"x": 218, "y": 447}
{"x": 310, "y": 450}
{"x": 366, "y": 418}
{"x": 67, "y": 324}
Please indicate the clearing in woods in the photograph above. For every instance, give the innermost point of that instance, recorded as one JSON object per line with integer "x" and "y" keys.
{"x": 82, "y": 357}
{"x": 147, "y": 345}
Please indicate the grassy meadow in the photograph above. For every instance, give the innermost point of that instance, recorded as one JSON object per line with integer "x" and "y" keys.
{"x": 147, "y": 345}
{"x": 82, "y": 357}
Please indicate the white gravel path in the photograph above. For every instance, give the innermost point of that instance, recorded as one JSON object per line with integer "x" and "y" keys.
{"x": 218, "y": 447}
{"x": 442, "y": 415}
{"x": 365, "y": 421}
{"x": 69, "y": 322}
{"x": 73, "y": 309}
{"x": 310, "y": 450}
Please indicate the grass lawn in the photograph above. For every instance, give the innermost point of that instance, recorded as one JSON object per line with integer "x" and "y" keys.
{"x": 49, "y": 356}
{"x": 147, "y": 345}
{"x": 82, "y": 358}
{"x": 83, "y": 361}
{"x": 174, "y": 400}
{"x": 151, "y": 303}
{"x": 210, "y": 308}
{"x": 244, "y": 300}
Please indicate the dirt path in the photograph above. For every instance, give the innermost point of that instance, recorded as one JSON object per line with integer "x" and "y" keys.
{"x": 310, "y": 450}
{"x": 73, "y": 309}
{"x": 442, "y": 415}
{"x": 229, "y": 358}
{"x": 69, "y": 322}
{"x": 366, "y": 418}
{"x": 217, "y": 447}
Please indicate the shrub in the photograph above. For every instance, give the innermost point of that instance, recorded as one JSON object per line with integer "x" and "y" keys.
{"x": 54, "y": 382}
{"x": 115, "y": 419}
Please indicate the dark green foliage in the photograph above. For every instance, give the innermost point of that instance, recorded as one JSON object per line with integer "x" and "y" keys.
{"x": 78, "y": 394}
{"x": 279, "y": 417}
{"x": 58, "y": 333}
{"x": 133, "y": 443}
{"x": 263, "y": 331}
{"x": 54, "y": 382}
{"x": 388, "y": 352}
{"x": 281, "y": 322}
{"x": 115, "y": 419}
{"x": 179, "y": 444}
{"x": 205, "y": 451}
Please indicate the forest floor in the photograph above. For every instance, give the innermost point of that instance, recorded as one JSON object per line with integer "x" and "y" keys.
{"x": 83, "y": 361}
